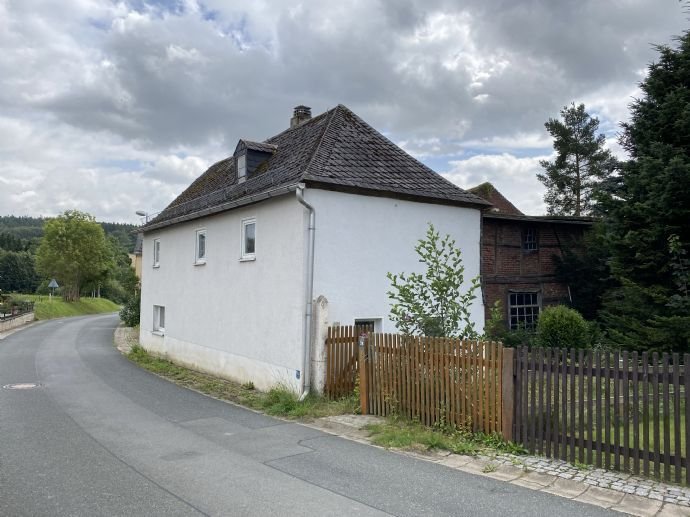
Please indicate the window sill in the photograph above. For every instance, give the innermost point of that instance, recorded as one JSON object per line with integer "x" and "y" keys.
{"x": 249, "y": 258}
{"x": 158, "y": 333}
{"x": 156, "y": 266}
{"x": 200, "y": 263}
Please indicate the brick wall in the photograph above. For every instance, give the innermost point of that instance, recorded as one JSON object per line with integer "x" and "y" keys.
{"x": 505, "y": 266}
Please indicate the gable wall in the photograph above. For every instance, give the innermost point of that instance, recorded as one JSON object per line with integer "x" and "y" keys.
{"x": 361, "y": 238}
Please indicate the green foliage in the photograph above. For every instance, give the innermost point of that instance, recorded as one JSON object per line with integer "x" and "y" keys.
{"x": 433, "y": 303}
{"x": 74, "y": 251}
{"x": 403, "y": 434}
{"x": 581, "y": 163}
{"x": 17, "y": 271}
{"x": 562, "y": 327}
{"x": 129, "y": 314}
{"x": 495, "y": 329}
{"x": 585, "y": 269}
{"x": 10, "y": 242}
{"x": 648, "y": 203}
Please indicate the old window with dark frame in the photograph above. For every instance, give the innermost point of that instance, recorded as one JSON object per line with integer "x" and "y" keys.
{"x": 523, "y": 310}
{"x": 530, "y": 241}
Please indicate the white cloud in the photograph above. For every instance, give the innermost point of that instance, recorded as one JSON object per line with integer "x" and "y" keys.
{"x": 515, "y": 178}
{"x": 114, "y": 108}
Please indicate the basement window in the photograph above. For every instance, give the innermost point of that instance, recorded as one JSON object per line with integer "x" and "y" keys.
{"x": 159, "y": 319}
{"x": 369, "y": 324}
{"x": 523, "y": 310}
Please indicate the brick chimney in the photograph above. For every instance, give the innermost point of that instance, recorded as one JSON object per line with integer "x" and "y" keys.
{"x": 300, "y": 116}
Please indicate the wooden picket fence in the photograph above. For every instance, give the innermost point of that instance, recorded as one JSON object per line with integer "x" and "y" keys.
{"x": 342, "y": 366}
{"x": 615, "y": 410}
{"x": 434, "y": 380}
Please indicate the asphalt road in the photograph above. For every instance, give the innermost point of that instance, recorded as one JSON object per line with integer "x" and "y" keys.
{"x": 103, "y": 437}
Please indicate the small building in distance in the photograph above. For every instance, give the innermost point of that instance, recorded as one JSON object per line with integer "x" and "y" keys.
{"x": 517, "y": 258}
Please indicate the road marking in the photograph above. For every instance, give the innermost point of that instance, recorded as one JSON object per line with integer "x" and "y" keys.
{"x": 22, "y": 386}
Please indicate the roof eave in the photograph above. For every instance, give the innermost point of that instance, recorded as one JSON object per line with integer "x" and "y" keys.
{"x": 339, "y": 186}
{"x": 223, "y": 207}
{"x": 584, "y": 221}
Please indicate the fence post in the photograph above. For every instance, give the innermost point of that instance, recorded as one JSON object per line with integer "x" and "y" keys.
{"x": 363, "y": 381}
{"x": 508, "y": 392}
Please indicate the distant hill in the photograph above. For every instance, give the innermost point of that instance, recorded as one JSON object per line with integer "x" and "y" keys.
{"x": 30, "y": 230}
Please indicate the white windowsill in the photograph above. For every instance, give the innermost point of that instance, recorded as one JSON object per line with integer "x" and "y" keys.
{"x": 158, "y": 332}
{"x": 156, "y": 266}
{"x": 248, "y": 258}
{"x": 200, "y": 263}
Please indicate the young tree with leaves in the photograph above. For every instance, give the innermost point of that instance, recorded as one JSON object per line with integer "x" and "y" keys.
{"x": 74, "y": 251}
{"x": 581, "y": 162}
{"x": 433, "y": 303}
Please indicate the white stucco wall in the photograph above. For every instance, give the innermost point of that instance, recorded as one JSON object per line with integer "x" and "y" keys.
{"x": 241, "y": 320}
{"x": 361, "y": 238}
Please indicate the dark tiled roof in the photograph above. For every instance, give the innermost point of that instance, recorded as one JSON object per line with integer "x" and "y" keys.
{"x": 335, "y": 150}
{"x": 500, "y": 203}
{"x": 259, "y": 146}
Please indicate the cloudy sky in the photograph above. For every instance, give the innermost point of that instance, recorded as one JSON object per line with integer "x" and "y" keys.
{"x": 113, "y": 107}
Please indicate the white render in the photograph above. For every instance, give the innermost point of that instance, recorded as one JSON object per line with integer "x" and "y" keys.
{"x": 237, "y": 319}
{"x": 243, "y": 319}
{"x": 359, "y": 239}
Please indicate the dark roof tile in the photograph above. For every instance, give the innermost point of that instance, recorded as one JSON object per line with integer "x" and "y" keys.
{"x": 336, "y": 149}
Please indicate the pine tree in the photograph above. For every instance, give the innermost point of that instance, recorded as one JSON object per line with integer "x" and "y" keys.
{"x": 581, "y": 162}
{"x": 648, "y": 207}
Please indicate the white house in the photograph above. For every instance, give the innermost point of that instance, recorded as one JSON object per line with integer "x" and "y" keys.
{"x": 322, "y": 210}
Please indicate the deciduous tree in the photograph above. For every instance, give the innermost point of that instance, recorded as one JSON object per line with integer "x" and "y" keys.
{"x": 436, "y": 303}
{"x": 74, "y": 251}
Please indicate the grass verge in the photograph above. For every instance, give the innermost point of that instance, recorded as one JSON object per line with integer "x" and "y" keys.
{"x": 46, "y": 308}
{"x": 279, "y": 401}
{"x": 409, "y": 435}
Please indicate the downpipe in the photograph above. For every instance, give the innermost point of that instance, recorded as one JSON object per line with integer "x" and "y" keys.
{"x": 309, "y": 294}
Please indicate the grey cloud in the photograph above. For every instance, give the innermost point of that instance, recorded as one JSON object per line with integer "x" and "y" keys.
{"x": 438, "y": 75}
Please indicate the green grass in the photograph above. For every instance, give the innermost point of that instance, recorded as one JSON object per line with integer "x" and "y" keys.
{"x": 279, "y": 401}
{"x": 46, "y": 309}
{"x": 404, "y": 434}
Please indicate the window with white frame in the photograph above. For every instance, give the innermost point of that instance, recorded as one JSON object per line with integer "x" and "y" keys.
{"x": 241, "y": 168}
{"x": 200, "y": 247}
{"x": 523, "y": 310}
{"x": 156, "y": 252}
{"x": 159, "y": 319}
{"x": 248, "y": 239}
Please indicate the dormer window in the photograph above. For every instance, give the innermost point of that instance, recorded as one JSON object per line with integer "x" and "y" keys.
{"x": 251, "y": 158}
{"x": 241, "y": 168}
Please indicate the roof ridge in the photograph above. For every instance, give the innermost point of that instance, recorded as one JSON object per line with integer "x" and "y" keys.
{"x": 287, "y": 130}
{"x": 332, "y": 112}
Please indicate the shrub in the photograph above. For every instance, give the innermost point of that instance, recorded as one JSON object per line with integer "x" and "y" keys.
{"x": 563, "y": 327}
{"x": 129, "y": 314}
